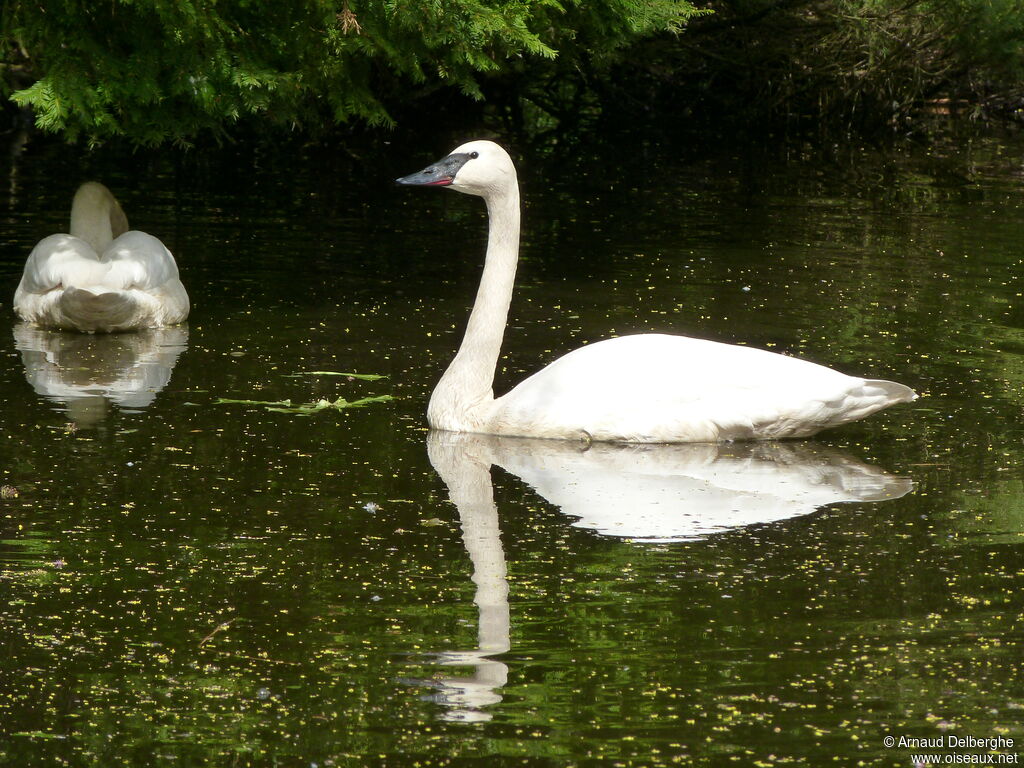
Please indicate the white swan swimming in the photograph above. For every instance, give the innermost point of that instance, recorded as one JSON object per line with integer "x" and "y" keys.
{"x": 647, "y": 388}
{"x": 100, "y": 278}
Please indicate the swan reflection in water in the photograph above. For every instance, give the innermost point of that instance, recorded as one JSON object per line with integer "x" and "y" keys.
{"x": 657, "y": 493}
{"x": 83, "y": 373}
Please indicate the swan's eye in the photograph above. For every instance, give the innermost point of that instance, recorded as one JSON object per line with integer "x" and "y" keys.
{"x": 474, "y": 155}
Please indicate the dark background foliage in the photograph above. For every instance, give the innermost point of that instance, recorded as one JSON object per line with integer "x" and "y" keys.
{"x": 153, "y": 71}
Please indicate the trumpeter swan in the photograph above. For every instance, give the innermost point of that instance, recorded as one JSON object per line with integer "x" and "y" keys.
{"x": 101, "y": 277}
{"x": 647, "y": 388}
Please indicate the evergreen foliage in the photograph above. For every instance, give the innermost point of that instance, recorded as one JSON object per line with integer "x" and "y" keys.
{"x": 158, "y": 70}
{"x": 163, "y": 70}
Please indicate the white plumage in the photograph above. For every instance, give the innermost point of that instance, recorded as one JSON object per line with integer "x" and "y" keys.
{"x": 100, "y": 277}
{"x": 648, "y": 388}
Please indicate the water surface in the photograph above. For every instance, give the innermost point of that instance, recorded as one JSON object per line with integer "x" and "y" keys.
{"x": 194, "y": 583}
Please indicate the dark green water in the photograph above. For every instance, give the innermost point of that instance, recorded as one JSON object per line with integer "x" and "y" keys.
{"x": 193, "y": 583}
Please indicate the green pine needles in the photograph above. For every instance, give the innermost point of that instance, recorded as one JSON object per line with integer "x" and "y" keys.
{"x": 169, "y": 70}
{"x": 155, "y": 71}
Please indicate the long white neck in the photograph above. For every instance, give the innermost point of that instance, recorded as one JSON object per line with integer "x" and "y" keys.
{"x": 465, "y": 393}
{"x": 96, "y": 216}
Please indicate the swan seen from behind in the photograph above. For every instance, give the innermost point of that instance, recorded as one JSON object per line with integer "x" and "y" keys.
{"x": 102, "y": 277}
{"x": 646, "y": 388}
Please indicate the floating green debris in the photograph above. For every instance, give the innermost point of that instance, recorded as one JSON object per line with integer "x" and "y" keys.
{"x": 306, "y": 409}
{"x": 39, "y": 735}
{"x": 361, "y": 376}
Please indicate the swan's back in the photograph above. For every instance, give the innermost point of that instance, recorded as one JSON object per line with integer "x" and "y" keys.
{"x": 100, "y": 278}
{"x": 659, "y": 388}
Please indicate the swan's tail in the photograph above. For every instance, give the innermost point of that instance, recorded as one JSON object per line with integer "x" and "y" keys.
{"x": 105, "y": 311}
{"x": 889, "y": 391}
{"x": 873, "y": 395}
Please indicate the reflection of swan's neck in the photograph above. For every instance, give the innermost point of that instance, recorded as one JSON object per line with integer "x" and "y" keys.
{"x": 96, "y": 216}
{"x": 464, "y": 395}
{"x": 469, "y": 487}
{"x": 468, "y": 478}
{"x": 482, "y": 537}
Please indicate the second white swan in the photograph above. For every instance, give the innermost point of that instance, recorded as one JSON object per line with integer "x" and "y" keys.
{"x": 101, "y": 277}
{"x": 647, "y": 388}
